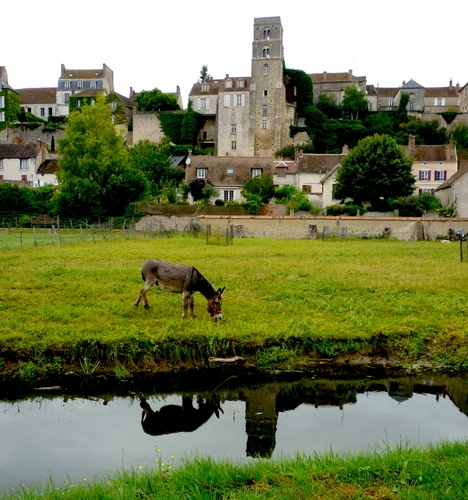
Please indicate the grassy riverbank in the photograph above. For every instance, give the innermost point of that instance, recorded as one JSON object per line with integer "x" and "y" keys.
{"x": 287, "y": 304}
{"x": 438, "y": 472}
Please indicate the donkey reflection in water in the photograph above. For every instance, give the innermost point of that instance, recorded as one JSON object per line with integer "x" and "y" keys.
{"x": 180, "y": 279}
{"x": 178, "y": 418}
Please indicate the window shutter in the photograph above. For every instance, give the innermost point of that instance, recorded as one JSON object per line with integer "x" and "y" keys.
{"x": 429, "y": 175}
{"x": 243, "y": 100}
{"x": 207, "y": 103}
{"x": 198, "y": 103}
{"x": 445, "y": 175}
{"x": 234, "y": 100}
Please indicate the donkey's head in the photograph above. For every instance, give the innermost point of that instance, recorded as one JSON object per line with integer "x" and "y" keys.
{"x": 214, "y": 305}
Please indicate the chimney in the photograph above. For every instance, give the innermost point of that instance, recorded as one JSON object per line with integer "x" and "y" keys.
{"x": 411, "y": 141}
{"x": 131, "y": 93}
{"x": 350, "y": 74}
{"x": 457, "y": 87}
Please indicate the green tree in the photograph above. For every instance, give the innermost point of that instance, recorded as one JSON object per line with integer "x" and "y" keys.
{"x": 154, "y": 162}
{"x": 155, "y": 100}
{"x": 302, "y": 83}
{"x": 354, "y": 102}
{"x": 377, "y": 168}
{"x": 191, "y": 124}
{"x": 94, "y": 166}
{"x": 262, "y": 186}
{"x": 204, "y": 75}
{"x": 327, "y": 105}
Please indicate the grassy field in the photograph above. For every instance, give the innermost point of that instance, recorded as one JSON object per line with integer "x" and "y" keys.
{"x": 404, "y": 473}
{"x": 286, "y": 302}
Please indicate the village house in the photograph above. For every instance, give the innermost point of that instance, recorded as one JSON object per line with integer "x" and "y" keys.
{"x": 20, "y": 164}
{"x": 454, "y": 190}
{"x": 41, "y": 102}
{"x": 432, "y": 165}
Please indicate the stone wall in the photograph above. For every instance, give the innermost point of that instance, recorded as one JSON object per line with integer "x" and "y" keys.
{"x": 402, "y": 228}
{"x": 19, "y": 136}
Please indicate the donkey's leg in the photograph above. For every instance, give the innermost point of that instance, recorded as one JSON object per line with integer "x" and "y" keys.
{"x": 149, "y": 283}
{"x": 187, "y": 302}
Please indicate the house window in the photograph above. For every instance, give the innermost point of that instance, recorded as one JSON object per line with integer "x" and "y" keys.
{"x": 66, "y": 84}
{"x": 264, "y": 110}
{"x": 264, "y": 124}
{"x": 113, "y": 105}
{"x": 24, "y": 177}
{"x": 79, "y": 85}
{"x": 282, "y": 172}
{"x": 239, "y": 100}
{"x": 439, "y": 101}
{"x": 307, "y": 188}
{"x": 78, "y": 103}
{"x": 266, "y": 52}
{"x": 228, "y": 84}
{"x": 411, "y": 106}
{"x": 50, "y": 111}
{"x": 2, "y": 116}
{"x": 201, "y": 173}
{"x": 240, "y": 83}
{"x": 1, "y": 177}
{"x": 265, "y": 93}
{"x": 227, "y": 101}
{"x": 266, "y": 69}
{"x": 391, "y": 101}
{"x": 1, "y": 164}
{"x": 334, "y": 188}
{"x": 233, "y": 128}
{"x": 426, "y": 191}
{"x": 440, "y": 175}
{"x": 230, "y": 171}
{"x": 233, "y": 145}
{"x": 2, "y": 101}
{"x": 228, "y": 195}
{"x": 205, "y": 87}
{"x": 266, "y": 34}
{"x": 424, "y": 175}
{"x": 42, "y": 112}
{"x": 65, "y": 98}
{"x": 24, "y": 164}
{"x": 203, "y": 103}
{"x": 92, "y": 84}
{"x": 256, "y": 172}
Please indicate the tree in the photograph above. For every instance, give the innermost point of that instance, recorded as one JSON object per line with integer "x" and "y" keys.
{"x": 154, "y": 162}
{"x": 204, "y": 75}
{"x": 327, "y": 105}
{"x": 191, "y": 124}
{"x": 155, "y": 100}
{"x": 262, "y": 186}
{"x": 94, "y": 169}
{"x": 377, "y": 168}
{"x": 354, "y": 102}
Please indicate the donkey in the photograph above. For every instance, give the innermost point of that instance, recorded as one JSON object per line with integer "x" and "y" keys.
{"x": 180, "y": 279}
{"x": 178, "y": 418}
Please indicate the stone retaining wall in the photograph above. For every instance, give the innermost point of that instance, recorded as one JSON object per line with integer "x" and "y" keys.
{"x": 402, "y": 228}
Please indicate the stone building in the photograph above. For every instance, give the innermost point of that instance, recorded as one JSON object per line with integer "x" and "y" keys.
{"x": 249, "y": 115}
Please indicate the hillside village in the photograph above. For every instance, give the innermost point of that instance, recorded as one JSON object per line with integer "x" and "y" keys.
{"x": 247, "y": 120}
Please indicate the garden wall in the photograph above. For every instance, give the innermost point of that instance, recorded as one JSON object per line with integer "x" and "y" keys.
{"x": 402, "y": 228}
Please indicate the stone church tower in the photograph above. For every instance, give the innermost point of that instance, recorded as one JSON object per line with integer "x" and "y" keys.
{"x": 270, "y": 117}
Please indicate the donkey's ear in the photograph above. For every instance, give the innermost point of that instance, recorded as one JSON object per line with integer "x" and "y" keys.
{"x": 221, "y": 290}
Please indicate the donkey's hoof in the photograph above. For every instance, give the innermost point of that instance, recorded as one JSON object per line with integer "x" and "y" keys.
{"x": 147, "y": 307}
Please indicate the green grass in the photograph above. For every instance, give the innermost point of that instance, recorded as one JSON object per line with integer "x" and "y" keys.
{"x": 438, "y": 472}
{"x": 284, "y": 301}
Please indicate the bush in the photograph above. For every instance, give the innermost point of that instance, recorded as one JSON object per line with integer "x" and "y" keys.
{"x": 219, "y": 202}
{"x": 346, "y": 209}
{"x": 416, "y": 205}
{"x": 253, "y": 203}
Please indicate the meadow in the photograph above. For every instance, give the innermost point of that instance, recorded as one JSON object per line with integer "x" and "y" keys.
{"x": 287, "y": 304}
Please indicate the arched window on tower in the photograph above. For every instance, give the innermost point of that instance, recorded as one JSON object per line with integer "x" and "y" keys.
{"x": 266, "y": 51}
{"x": 266, "y": 34}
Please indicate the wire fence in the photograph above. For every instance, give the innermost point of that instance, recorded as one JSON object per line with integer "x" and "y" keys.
{"x": 56, "y": 233}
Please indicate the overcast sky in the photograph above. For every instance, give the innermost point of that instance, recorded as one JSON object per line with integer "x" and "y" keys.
{"x": 160, "y": 44}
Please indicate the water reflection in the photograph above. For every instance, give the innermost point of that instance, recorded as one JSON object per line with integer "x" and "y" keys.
{"x": 84, "y": 435}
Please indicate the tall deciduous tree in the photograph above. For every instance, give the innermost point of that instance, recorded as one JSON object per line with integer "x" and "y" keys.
{"x": 262, "y": 186}
{"x": 95, "y": 176}
{"x": 377, "y": 168}
{"x": 354, "y": 103}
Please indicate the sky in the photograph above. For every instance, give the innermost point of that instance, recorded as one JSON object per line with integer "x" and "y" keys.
{"x": 154, "y": 44}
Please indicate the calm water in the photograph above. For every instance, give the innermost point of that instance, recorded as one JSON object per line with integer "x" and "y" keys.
{"x": 77, "y": 438}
